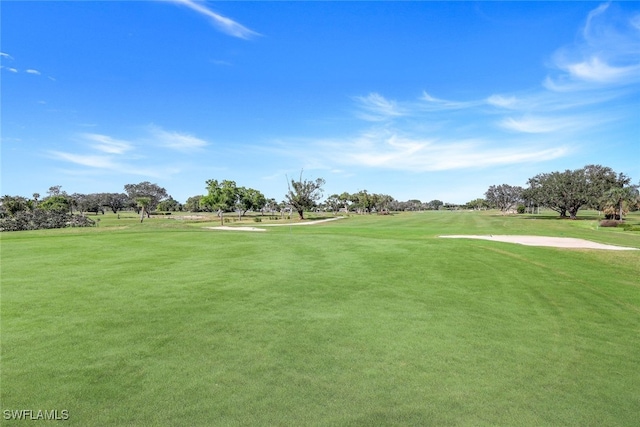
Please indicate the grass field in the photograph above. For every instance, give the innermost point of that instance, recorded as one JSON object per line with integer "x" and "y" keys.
{"x": 366, "y": 321}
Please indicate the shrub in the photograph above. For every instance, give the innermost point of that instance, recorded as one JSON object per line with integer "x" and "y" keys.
{"x": 256, "y": 219}
{"x": 610, "y": 223}
{"x": 521, "y": 209}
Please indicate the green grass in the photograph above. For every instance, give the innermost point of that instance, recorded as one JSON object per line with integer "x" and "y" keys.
{"x": 371, "y": 320}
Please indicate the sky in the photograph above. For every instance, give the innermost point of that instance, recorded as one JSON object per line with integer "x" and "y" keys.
{"x": 418, "y": 100}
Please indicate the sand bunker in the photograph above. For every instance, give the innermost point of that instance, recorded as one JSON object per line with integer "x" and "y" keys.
{"x": 243, "y": 228}
{"x": 556, "y": 242}
{"x": 224, "y": 227}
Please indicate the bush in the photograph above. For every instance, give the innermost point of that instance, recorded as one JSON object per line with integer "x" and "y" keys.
{"x": 43, "y": 219}
{"x": 521, "y": 209}
{"x": 256, "y": 219}
{"x": 610, "y": 223}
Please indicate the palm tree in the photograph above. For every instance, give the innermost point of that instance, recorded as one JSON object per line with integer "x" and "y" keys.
{"x": 143, "y": 203}
{"x": 616, "y": 197}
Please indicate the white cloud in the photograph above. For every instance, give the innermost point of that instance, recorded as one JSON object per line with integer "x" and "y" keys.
{"x": 32, "y": 71}
{"x": 442, "y": 104}
{"x": 596, "y": 70}
{"x": 5, "y": 55}
{"x": 501, "y": 101}
{"x": 13, "y": 70}
{"x": 106, "y": 144}
{"x": 224, "y": 24}
{"x": 607, "y": 54}
{"x": 176, "y": 140}
{"x": 539, "y": 124}
{"x": 93, "y": 161}
{"x": 377, "y": 108}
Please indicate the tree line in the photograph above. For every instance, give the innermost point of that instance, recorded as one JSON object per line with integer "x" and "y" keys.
{"x": 593, "y": 186}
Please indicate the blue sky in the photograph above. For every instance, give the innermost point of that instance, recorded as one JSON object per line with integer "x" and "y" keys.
{"x": 424, "y": 100}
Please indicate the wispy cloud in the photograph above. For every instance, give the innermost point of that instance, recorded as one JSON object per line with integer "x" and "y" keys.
{"x": 13, "y": 70}
{"x": 442, "y": 104}
{"x": 32, "y": 71}
{"x": 106, "y": 144}
{"x": 584, "y": 93}
{"x": 607, "y": 53}
{"x": 176, "y": 140}
{"x": 89, "y": 160}
{"x": 375, "y": 107}
{"x": 100, "y": 153}
{"x": 222, "y": 23}
{"x": 5, "y": 55}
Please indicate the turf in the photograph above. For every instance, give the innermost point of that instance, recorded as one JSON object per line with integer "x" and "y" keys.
{"x": 371, "y": 320}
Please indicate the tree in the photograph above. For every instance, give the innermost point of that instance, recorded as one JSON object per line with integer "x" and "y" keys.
{"x": 58, "y": 203}
{"x": 169, "y": 204}
{"x": 303, "y": 194}
{"x": 435, "y": 204}
{"x": 193, "y": 204}
{"x": 345, "y": 199}
{"x": 568, "y": 191}
{"x": 154, "y": 192}
{"x": 615, "y": 199}
{"x": 114, "y": 201}
{"x": 249, "y": 199}
{"x": 333, "y": 202}
{"x": 363, "y": 201}
{"x": 477, "y": 204}
{"x": 221, "y": 196}
{"x": 504, "y": 197}
{"x": 143, "y": 203}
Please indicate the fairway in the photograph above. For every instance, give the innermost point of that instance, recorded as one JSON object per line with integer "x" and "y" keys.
{"x": 370, "y": 320}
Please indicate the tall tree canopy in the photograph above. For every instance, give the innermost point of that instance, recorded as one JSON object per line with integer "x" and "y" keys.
{"x": 504, "y": 197}
{"x": 220, "y": 197}
{"x": 568, "y": 191}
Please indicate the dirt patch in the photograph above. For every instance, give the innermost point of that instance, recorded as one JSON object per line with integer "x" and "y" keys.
{"x": 556, "y": 242}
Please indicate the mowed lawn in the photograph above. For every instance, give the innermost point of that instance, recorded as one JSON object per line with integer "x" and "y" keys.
{"x": 366, "y": 321}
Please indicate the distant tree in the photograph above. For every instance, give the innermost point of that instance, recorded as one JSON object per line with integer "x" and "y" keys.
{"x": 477, "y": 204}
{"x": 304, "y": 194}
{"x": 333, "y": 203}
{"x": 221, "y": 196}
{"x": 114, "y": 201}
{"x": 169, "y": 205}
{"x": 153, "y": 192}
{"x": 363, "y": 201}
{"x": 383, "y": 202}
{"x": 271, "y": 206}
{"x": 435, "y": 204}
{"x": 345, "y": 198}
{"x": 55, "y": 190}
{"x": 193, "y": 204}
{"x": 504, "y": 197}
{"x": 249, "y": 199}
{"x": 87, "y": 202}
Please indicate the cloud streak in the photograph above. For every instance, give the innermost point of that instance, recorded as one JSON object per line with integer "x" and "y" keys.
{"x": 222, "y": 23}
{"x": 176, "y": 140}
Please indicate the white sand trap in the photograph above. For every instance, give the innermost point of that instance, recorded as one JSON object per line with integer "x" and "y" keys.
{"x": 243, "y": 228}
{"x": 302, "y": 223}
{"x": 556, "y": 242}
{"x": 224, "y": 227}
